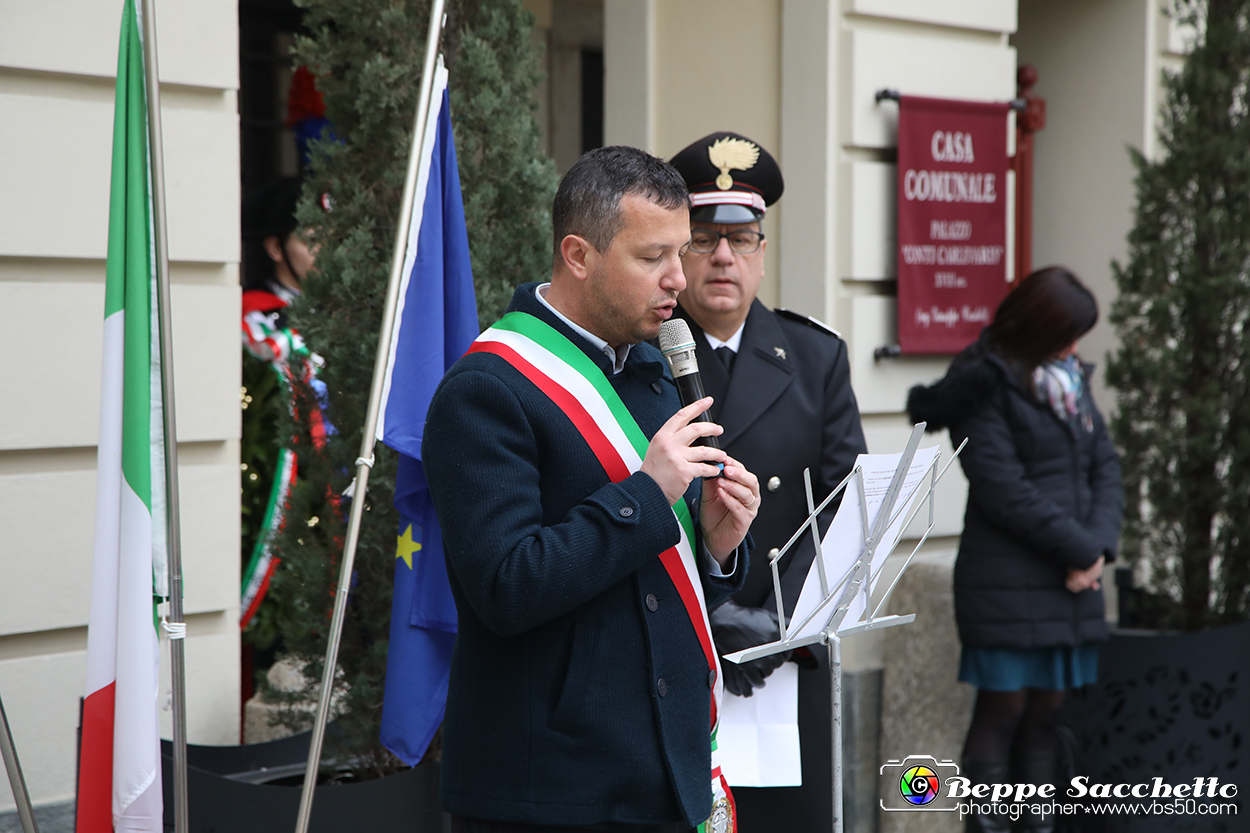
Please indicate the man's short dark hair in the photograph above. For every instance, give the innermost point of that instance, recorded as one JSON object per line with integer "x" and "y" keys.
{"x": 588, "y": 201}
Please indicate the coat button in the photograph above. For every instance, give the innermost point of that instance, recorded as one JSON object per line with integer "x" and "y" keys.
{"x": 711, "y": 679}
{"x": 652, "y": 602}
{"x": 774, "y": 483}
{"x": 661, "y": 687}
{"x": 627, "y": 511}
{"x": 657, "y": 387}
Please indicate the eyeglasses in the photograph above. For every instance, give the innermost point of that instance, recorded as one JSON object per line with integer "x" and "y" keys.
{"x": 705, "y": 241}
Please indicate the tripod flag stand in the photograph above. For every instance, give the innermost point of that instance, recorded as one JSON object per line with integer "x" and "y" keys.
{"x": 836, "y": 597}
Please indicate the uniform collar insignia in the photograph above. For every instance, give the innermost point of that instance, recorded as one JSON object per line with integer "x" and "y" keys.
{"x": 781, "y": 353}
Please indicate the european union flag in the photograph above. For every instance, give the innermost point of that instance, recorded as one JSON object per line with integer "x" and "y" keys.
{"x": 434, "y": 325}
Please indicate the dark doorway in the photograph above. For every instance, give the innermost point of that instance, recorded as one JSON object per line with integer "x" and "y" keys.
{"x": 266, "y": 146}
{"x": 592, "y": 99}
{"x": 570, "y": 99}
{"x": 267, "y": 151}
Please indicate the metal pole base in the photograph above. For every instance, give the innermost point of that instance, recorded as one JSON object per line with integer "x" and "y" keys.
{"x": 835, "y": 698}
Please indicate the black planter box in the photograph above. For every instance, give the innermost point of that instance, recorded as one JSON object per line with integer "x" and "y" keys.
{"x": 255, "y": 788}
{"x": 1175, "y": 706}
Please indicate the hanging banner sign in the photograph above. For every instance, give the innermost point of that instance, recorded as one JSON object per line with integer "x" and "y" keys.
{"x": 952, "y": 221}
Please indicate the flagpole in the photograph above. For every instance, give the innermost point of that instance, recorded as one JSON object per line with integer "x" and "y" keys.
{"x": 176, "y": 626}
{"x": 365, "y": 461}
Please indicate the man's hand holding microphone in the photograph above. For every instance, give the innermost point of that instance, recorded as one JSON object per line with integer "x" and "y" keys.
{"x": 684, "y": 448}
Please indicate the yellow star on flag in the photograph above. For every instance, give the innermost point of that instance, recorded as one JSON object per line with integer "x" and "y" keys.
{"x": 405, "y": 546}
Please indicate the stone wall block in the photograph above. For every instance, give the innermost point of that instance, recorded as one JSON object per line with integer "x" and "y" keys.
{"x": 924, "y": 709}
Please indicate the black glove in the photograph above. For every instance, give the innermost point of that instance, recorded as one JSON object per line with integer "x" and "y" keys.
{"x": 736, "y": 628}
{"x": 804, "y": 658}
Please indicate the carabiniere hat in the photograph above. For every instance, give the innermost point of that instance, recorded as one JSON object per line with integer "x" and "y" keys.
{"x": 731, "y": 179}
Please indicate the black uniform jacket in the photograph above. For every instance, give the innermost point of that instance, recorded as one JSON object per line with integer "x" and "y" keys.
{"x": 788, "y": 406}
{"x": 1042, "y": 498}
{"x": 579, "y": 692}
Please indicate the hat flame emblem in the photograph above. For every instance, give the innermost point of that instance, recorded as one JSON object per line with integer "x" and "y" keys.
{"x": 731, "y": 154}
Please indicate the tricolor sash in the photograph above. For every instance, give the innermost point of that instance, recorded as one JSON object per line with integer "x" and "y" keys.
{"x": 576, "y": 386}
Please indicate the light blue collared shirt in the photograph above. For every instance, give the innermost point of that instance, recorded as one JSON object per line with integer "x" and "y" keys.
{"x": 617, "y": 356}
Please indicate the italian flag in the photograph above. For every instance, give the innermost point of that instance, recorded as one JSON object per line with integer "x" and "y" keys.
{"x": 119, "y": 784}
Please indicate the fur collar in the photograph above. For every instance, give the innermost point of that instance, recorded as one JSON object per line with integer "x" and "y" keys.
{"x": 961, "y": 391}
{"x": 973, "y": 377}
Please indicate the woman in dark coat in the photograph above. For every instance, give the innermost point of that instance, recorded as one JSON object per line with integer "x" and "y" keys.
{"x": 1043, "y": 516}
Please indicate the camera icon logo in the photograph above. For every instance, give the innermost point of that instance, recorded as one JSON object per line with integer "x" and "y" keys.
{"x": 915, "y": 783}
{"x": 920, "y": 785}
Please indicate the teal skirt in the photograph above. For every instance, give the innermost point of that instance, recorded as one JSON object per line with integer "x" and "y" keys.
{"x": 1011, "y": 669}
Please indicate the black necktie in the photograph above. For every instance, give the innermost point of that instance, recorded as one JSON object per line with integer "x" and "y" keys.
{"x": 727, "y": 358}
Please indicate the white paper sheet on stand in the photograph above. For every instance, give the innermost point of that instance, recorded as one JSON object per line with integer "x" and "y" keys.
{"x": 845, "y": 538}
{"x": 758, "y": 738}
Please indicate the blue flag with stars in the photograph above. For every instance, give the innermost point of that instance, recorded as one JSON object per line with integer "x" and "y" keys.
{"x": 435, "y": 324}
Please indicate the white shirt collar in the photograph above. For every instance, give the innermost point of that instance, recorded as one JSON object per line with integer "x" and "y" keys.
{"x": 734, "y": 340}
{"x": 283, "y": 292}
{"x": 617, "y": 356}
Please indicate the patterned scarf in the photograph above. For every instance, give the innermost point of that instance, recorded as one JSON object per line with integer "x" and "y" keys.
{"x": 1062, "y": 384}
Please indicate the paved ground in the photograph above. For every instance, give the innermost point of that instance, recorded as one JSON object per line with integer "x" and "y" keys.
{"x": 53, "y": 818}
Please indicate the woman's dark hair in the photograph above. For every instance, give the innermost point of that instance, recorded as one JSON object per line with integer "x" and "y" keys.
{"x": 1048, "y": 311}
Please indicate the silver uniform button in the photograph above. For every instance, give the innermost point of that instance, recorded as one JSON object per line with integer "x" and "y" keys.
{"x": 774, "y": 483}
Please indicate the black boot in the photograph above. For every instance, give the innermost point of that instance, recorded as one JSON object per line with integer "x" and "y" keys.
{"x": 986, "y": 771}
{"x": 1038, "y": 769}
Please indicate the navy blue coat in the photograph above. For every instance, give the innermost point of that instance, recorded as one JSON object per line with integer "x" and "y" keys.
{"x": 579, "y": 692}
{"x": 1042, "y": 498}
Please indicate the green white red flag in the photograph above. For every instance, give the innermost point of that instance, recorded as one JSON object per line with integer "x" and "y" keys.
{"x": 119, "y": 783}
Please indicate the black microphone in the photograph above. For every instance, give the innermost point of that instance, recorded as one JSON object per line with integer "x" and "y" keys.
{"x": 677, "y": 347}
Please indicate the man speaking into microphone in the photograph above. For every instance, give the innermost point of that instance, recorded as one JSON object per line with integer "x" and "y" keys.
{"x": 583, "y": 547}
